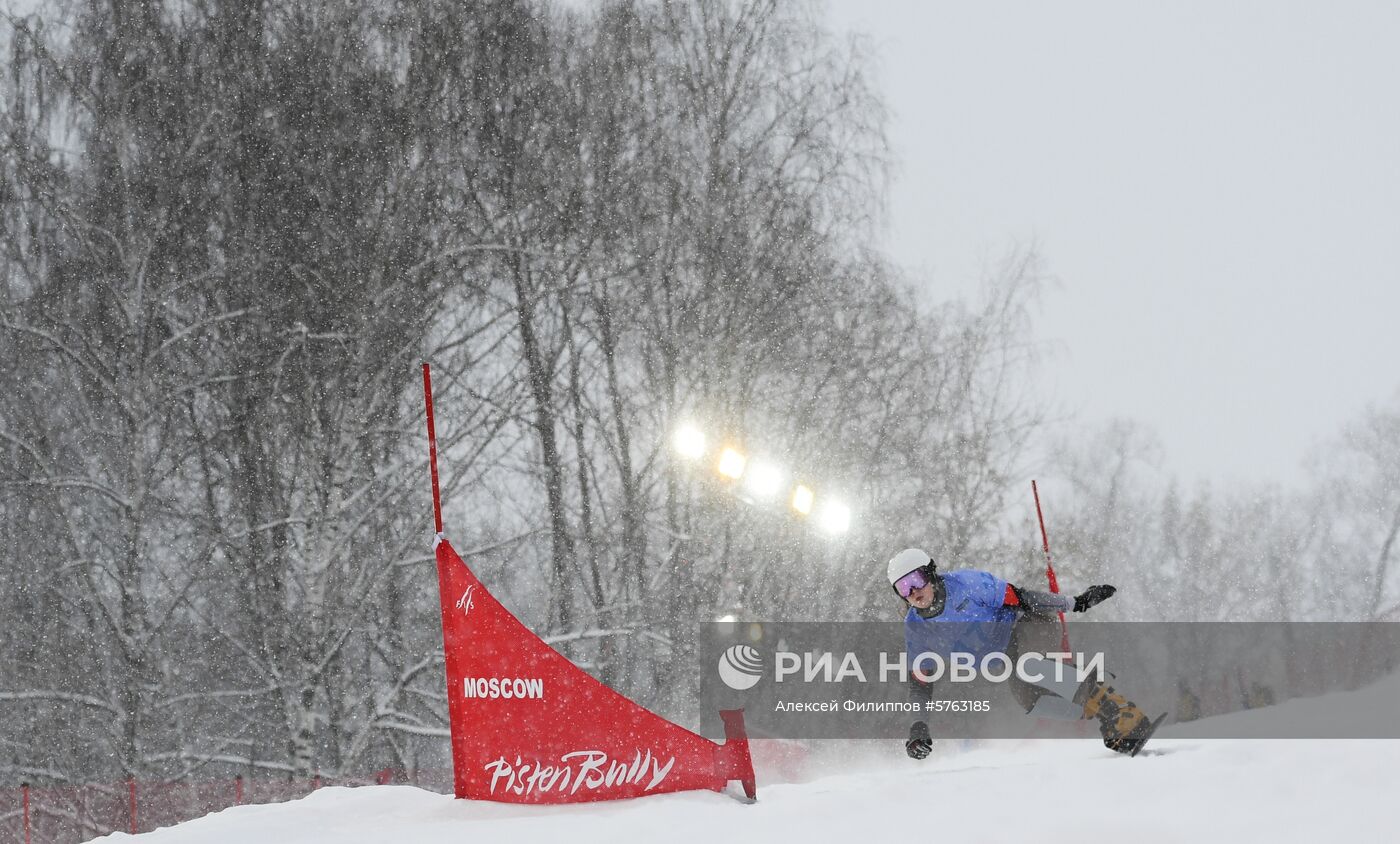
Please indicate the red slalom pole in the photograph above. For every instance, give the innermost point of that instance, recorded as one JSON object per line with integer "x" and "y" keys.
{"x": 432, "y": 448}
{"x": 25, "y": 787}
{"x": 1050, "y": 567}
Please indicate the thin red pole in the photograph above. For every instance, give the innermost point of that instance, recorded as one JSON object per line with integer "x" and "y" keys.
{"x": 1050, "y": 566}
{"x": 25, "y": 788}
{"x": 131, "y": 794}
{"x": 432, "y": 448}
{"x": 238, "y": 790}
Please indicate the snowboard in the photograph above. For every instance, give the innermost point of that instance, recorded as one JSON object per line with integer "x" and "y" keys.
{"x": 1147, "y": 734}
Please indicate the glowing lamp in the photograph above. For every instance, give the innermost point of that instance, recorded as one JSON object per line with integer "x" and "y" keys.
{"x": 731, "y": 464}
{"x": 835, "y": 518}
{"x": 763, "y": 479}
{"x": 690, "y": 442}
{"x": 802, "y": 500}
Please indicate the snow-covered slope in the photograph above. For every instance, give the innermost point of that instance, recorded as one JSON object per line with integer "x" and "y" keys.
{"x": 1043, "y": 791}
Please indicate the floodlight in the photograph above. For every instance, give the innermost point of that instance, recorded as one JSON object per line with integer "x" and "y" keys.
{"x": 802, "y": 500}
{"x": 763, "y": 479}
{"x": 731, "y": 463}
{"x": 690, "y": 442}
{"x": 835, "y": 517}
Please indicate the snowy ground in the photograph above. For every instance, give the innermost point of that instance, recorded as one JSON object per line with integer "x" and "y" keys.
{"x": 1038, "y": 791}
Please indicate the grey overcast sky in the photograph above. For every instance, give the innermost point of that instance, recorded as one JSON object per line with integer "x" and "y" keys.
{"x": 1214, "y": 185}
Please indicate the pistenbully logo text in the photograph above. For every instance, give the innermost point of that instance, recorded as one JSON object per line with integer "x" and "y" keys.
{"x": 740, "y": 667}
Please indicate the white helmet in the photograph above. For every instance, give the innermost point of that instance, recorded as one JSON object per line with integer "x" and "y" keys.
{"x": 906, "y": 561}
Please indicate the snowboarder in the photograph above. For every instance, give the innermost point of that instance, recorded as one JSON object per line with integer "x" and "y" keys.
{"x": 997, "y": 616}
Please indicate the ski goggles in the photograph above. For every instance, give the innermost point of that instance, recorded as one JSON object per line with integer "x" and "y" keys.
{"x": 911, "y": 581}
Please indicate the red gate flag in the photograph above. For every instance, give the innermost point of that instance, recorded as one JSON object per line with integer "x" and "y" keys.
{"x": 529, "y": 726}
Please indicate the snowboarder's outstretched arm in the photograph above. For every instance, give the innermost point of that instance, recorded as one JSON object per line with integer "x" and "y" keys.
{"x": 1047, "y": 604}
{"x": 919, "y": 744}
{"x": 920, "y": 692}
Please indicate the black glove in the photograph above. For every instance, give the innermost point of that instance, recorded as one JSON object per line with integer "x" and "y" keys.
{"x": 1091, "y": 596}
{"x": 919, "y": 744}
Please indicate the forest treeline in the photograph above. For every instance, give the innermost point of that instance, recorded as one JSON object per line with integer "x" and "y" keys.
{"x": 230, "y": 231}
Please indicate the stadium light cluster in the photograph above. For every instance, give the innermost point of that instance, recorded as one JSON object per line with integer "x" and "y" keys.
{"x": 762, "y": 481}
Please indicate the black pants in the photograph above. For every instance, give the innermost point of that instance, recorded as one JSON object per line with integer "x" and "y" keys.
{"x": 1031, "y": 634}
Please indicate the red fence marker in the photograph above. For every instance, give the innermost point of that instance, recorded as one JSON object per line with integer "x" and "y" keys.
{"x": 131, "y": 795}
{"x": 79, "y": 811}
